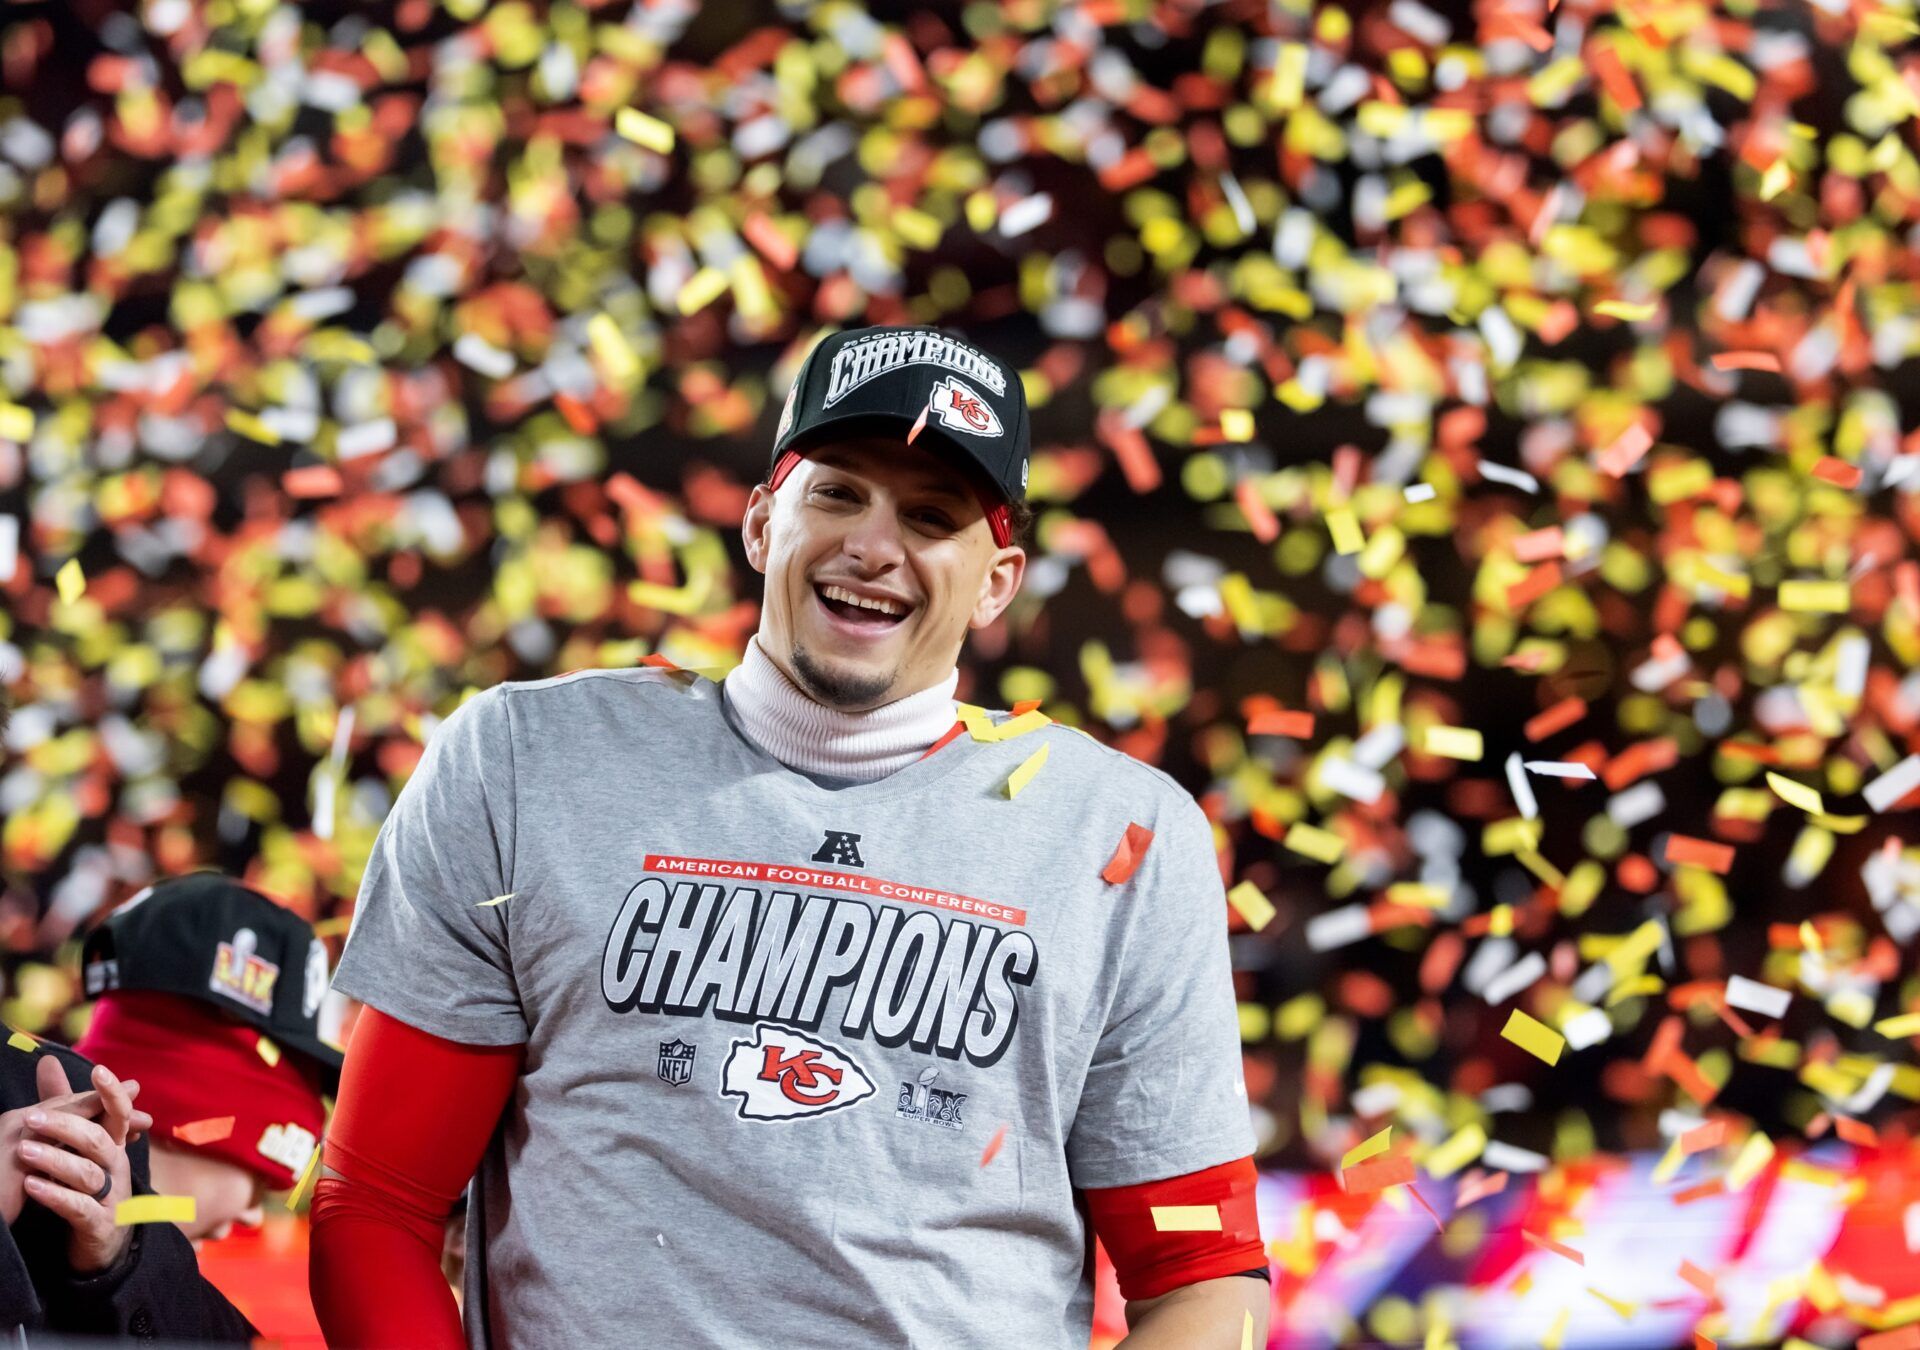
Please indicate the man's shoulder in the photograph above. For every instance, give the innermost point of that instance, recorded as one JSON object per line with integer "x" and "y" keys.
{"x": 1110, "y": 772}
{"x": 655, "y": 686}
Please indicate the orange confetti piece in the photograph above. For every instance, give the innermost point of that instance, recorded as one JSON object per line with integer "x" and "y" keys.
{"x": 312, "y": 480}
{"x": 658, "y": 662}
{"x": 920, "y": 422}
{"x": 772, "y": 244}
{"x": 1856, "y": 1132}
{"x": 1837, "y": 471}
{"x": 1746, "y": 361}
{"x": 1693, "y": 852}
{"x": 1626, "y": 451}
{"x": 1260, "y": 517}
{"x": 992, "y": 1150}
{"x": 1376, "y": 1174}
{"x": 209, "y": 1131}
{"x": 1478, "y": 1186}
{"x": 1421, "y": 1200}
{"x": 1900, "y": 1338}
{"x": 1278, "y": 722}
{"x": 1557, "y": 1248}
{"x": 1127, "y": 854}
{"x": 1557, "y": 718}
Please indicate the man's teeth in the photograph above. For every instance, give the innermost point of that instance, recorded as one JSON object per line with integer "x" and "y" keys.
{"x": 847, "y": 597}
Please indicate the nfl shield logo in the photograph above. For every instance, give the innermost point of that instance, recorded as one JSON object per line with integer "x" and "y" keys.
{"x": 676, "y": 1062}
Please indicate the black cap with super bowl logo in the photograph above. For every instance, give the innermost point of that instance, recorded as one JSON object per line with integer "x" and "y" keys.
{"x": 881, "y": 381}
{"x": 206, "y": 936}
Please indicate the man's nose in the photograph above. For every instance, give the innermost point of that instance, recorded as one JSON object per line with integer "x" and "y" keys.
{"x": 874, "y": 538}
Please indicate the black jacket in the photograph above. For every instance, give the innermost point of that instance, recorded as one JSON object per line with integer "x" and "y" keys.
{"x": 154, "y": 1292}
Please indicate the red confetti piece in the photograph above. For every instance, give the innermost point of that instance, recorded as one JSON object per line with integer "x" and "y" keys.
{"x": 1478, "y": 1186}
{"x": 312, "y": 480}
{"x": 1626, "y": 451}
{"x": 1127, "y": 854}
{"x": 658, "y": 661}
{"x": 1855, "y": 1132}
{"x": 919, "y": 423}
{"x": 1900, "y": 1338}
{"x": 1421, "y": 1200}
{"x": 1703, "y": 1137}
{"x": 1699, "y": 1279}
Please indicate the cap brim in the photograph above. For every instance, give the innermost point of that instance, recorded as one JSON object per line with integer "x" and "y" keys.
{"x": 328, "y": 1058}
{"x": 880, "y": 423}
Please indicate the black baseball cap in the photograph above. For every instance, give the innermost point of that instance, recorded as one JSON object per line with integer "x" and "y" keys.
{"x": 885, "y": 381}
{"x": 206, "y": 936}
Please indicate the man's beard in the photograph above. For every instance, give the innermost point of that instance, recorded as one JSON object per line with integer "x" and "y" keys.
{"x": 850, "y": 693}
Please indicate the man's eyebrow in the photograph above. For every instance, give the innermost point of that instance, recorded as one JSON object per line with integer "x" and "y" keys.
{"x": 933, "y": 487}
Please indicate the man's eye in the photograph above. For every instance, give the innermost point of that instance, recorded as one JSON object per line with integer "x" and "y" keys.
{"x": 936, "y": 519}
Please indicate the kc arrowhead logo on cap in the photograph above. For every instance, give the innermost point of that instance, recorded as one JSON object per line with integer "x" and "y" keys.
{"x": 962, "y": 409}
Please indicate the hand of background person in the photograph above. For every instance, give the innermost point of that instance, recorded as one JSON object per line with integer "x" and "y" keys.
{"x": 59, "y": 1153}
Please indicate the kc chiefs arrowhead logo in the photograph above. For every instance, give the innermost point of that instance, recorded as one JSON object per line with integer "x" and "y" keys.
{"x": 959, "y": 407}
{"x": 782, "y": 1073}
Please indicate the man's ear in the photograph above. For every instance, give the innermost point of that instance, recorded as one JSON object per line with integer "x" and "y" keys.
{"x": 754, "y": 526}
{"x": 1002, "y": 583}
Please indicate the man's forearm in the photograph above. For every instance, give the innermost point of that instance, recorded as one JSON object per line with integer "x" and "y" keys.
{"x": 1210, "y": 1315}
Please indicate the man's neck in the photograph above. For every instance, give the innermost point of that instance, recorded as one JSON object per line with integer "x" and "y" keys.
{"x": 808, "y": 736}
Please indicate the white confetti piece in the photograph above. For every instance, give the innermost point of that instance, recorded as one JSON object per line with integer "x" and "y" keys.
{"x": 1881, "y": 793}
{"x": 1560, "y": 768}
{"x": 1753, "y": 996}
{"x": 1420, "y": 492}
{"x": 1352, "y": 780}
{"x": 1515, "y": 978}
{"x": 1522, "y": 790}
{"x": 476, "y": 353}
{"x": 1500, "y": 473}
{"x": 1509, "y": 1158}
{"x": 1026, "y": 214}
{"x": 1338, "y": 927}
{"x": 9, "y": 546}
{"x": 1588, "y": 1029}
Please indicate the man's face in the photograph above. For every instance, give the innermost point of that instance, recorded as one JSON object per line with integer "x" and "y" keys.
{"x": 890, "y": 523}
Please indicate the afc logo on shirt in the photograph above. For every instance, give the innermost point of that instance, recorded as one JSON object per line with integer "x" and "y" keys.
{"x": 839, "y": 847}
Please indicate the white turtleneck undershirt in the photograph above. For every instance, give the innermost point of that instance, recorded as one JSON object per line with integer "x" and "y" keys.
{"x": 811, "y": 738}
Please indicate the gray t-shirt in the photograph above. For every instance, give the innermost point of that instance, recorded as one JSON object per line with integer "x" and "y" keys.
{"x": 772, "y": 1026}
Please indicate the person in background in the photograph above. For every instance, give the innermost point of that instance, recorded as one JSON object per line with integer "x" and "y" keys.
{"x": 72, "y": 1147}
{"x": 209, "y": 994}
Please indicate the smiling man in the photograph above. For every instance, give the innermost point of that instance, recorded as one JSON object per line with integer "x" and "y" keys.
{"x": 808, "y": 1008}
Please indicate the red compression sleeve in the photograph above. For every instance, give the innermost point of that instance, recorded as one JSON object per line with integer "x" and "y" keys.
{"x": 1151, "y": 1263}
{"x": 411, "y": 1122}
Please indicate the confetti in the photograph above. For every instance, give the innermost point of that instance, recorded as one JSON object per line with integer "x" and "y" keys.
{"x": 70, "y": 581}
{"x": 154, "y": 1209}
{"x": 209, "y": 1131}
{"x": 644, "y": 129}
{"x": 19, "y": 1040}
{"x": 1752, "y": 996}
{"x": 497, "y": 900}
{"x": 992, "y": 1150}
{"x": 1128, "y": 854}
{"x": 267, "y": 1050}
{"x": 1454, "y": 742}
{"x": 1251, "y": 904}
{"x": 1540, "y": 1041}
{"x": 1796, "y": 794}
{"x": 1186, "y": 1218}
{"x": 1024, "y": 774}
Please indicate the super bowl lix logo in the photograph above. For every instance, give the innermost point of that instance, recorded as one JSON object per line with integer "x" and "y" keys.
{"x": 781, "y": 1074}
{"x": 924, "y": 1101}
{"x": 241, "y": 975}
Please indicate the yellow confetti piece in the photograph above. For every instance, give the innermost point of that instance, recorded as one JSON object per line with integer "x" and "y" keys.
{"x": 1246, "y": 1330}
{"x": 610, "y": 345}
{"x": 333, "y": 927}
{"x": 1023, "y": 775}
{"x": 1619, "y": 1305}
{"x": 1907, "y": 1024}
{"x": 497, "y": 900}
{"x": 1796, "y": 794}
{"x": 1536, "y": 1038}
{"x": 1467, "y": 1143}
{"x": 246, "y": 424}
{"x": 1186, "y": 1218}
{"x": 1633, "y": 312}
{"x": 1754, "y": 1155}
{"x": 644, "y": 130}
{"x": 16, "y": 422}
{"x": 1313, "y": 842}
{"x": 1236, "y": 424}
{"x": 1557, "y": 1332}
{"x": 267, "y": 1050}
{"x": 307, "y": 1173}
{"x": 1815, "y": 597}
{"x": 983, "y": 730}
{"x": 21, "y": 1041}
{"x": 1345, "y": 529}
{"x": 1369, "y": 1148}
{"x": 70, "y": 581}
{"x": 1289, "y": 80}
{"x": 1251, "y": 903}
{"x": 701, "y": 290}
{"x": 1454, "y": 743}
{"x": 153, "y": 1209}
